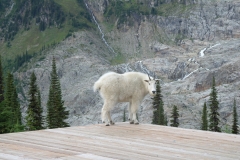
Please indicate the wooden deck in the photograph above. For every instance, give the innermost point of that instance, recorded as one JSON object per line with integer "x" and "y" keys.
{"x": 121, "y": 141}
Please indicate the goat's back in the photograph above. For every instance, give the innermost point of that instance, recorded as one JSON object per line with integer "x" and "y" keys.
{"x": 121, "y": 87}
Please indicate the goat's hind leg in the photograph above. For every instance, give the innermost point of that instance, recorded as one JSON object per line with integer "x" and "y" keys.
{"x": 106, "y": 113}
{"x": 110, "y": 119}
{"x": 104, "y": 117}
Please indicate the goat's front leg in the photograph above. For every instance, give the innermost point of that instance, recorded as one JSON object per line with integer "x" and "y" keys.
{"x": 134, "y": 108}
{"x": 130, "y": 114}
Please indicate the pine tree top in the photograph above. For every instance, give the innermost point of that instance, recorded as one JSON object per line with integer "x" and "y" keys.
{"x": 235, "y": 129}
{"x": 214, "y": 115}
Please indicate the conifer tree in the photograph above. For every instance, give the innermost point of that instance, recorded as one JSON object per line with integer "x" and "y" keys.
{"x": 174, "y": 121}
{"x": 214, "y": 115}
{"x": 2, "y": 106}
{"x": 40, "y": 118}
{"x": 158, "y": 113}
{"x": 11, "y": 112}
{"x": 165, "y": 120}
{"x": 235, "y": 129}
{"x": 6, "y": 114}
{"x": 1, "y": 82}
{"x": 56, "y": 112}
{"x": 124, "y": 115}
{"x": 17, "y": 121}
{"x": 51, "y": 119}
{"x": 204, "y": 118}
{"x": 34, "y": 112}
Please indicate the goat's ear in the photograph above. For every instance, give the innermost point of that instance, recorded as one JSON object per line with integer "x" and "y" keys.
{"x": 146, "y": 80}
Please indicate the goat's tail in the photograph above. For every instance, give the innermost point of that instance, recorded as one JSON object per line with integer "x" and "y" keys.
{"x": 97, "y": 86}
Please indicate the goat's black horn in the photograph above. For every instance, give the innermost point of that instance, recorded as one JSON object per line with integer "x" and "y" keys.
{"x": 149, "y": 77}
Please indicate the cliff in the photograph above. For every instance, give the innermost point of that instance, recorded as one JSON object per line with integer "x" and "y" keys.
{"x": 184, "y": 46}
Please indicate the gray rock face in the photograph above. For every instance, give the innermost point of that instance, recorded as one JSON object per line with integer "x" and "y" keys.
{"x": 210, "y": 47}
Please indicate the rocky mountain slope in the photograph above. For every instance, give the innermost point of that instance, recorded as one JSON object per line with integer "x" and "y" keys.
{"x": 185, "y": 50}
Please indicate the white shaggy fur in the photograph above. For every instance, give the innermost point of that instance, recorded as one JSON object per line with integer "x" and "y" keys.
{"x": 129, "y": 87}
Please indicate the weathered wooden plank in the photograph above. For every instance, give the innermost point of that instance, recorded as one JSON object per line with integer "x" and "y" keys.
{"x": 182, "y": 139}
{"x": 42, "y": 146}
{"x": 206, "y": 148}
{"x": 121, "y": 141}
{"x": 207, "y": 144}
{"x": 26, "y": 152}
{"x": 62, "y": 138}
{"x": 87, "y": 146}
{"x": 86, "y": 156}
{"x": 172, "y": 130}
{"x": 173, "y": 135}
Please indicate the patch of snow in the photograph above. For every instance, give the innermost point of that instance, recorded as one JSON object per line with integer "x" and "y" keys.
{"x": 214, "y": 45}
{"x": 189, "y": 74}
{"x": 202, "y": 52}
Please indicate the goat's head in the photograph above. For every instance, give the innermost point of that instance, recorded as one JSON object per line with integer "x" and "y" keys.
{"x": 151, "y": 85}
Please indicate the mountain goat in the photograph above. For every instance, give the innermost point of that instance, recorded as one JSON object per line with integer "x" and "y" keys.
{"x": 129, "y": 87}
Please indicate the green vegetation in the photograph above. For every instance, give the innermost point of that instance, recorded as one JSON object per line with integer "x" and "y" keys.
{"x": 10, "y": 113}
{"x": 158, "y": 112}
{"x": 214, "y": 115}
{"x": 43, "y": 23}
{"x": 118, "y": 59}
{"x": 174, "y": 121}
{"x": 226, "y": 129}
{"x": 179, "y": 37}
{"x": 34, "y": 118}
{"x": 123, "y": 10}
{"x": 56, "y": 114}
{"x": 204, "y": 118}
{"x": 235, "y": 129}
{"x": 3, "y": 5}
{"x": 118, "y": 8}
{"x": 45, "y": 12}
{"x": 124, "y": 115}
{"x": 173, "y": 8}
{"x": 1, "y": 82}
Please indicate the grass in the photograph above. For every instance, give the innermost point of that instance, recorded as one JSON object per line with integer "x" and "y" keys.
{"x": 226, "y": 129}
{"x": 176, "y": 9}
{"x": 33, "y": 40}
{"x": 69, "y": 6}
{"x": 120, "y": 58}
{"x": 109, "y": 26}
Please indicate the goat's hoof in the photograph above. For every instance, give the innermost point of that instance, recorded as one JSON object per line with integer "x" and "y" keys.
{"x": 136, "y": 123}
{"x": 107, "y": 124}
{"x": 131, "y": 122}
{"x": 112, "y": 123}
